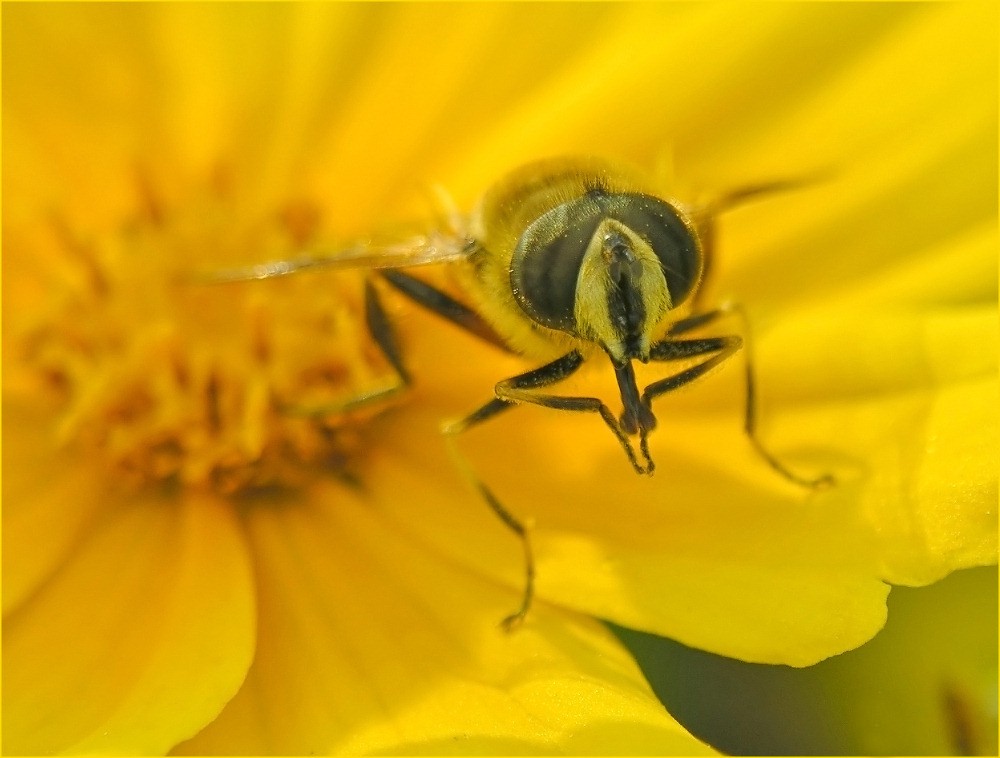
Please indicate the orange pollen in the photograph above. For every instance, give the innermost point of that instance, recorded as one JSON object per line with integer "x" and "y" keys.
{"x": 230, "y": 386}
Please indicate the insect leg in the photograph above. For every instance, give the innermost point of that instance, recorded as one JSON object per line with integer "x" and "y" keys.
{"x": 696, "y": 321}
{"x": 672, "y": 349}
{"x": 520, "y": 389}
{"x": 490, "y": 409}
{"x": 444, "y": 305}
{"x": 550, "y": 373}
{"x": 511, "y": 392}
{"x": 380, "y": 328}
{"x": 676, "y": 350}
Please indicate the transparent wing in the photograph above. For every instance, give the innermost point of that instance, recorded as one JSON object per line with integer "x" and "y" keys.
{"x": 418, "y": 250}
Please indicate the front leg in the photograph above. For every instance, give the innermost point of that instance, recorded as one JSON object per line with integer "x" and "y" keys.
{"x": 721, "y": 349}
{"x": 521, "y": 389}
{"x": 514, "y": 391}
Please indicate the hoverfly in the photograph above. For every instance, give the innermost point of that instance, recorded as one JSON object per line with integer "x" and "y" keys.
{"x": 564, "y": 260}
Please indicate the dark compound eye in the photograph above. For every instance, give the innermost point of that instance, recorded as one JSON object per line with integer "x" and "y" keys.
{"x": 546, "y": 263}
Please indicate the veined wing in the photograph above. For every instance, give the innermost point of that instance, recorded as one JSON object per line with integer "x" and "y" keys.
{"x": 418, "y": 250}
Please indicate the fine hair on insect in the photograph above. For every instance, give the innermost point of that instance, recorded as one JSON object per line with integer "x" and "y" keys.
{"x": 564, "y": 261}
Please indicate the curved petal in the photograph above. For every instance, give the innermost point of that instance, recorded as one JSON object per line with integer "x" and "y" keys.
{"x": 752, "y": 568}
{"x": 909, "y": 405}
{"x": 874, "y": 89}
{"x": 904, "y": 143}
{"x": 368, "y": 643}
{"x": 44, "y": 517}
{"x": 147, "y": 630}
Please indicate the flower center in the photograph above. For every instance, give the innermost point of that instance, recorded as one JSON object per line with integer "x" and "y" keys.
{"x": 232, "y": 386}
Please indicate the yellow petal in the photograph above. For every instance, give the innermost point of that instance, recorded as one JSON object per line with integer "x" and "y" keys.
{"x": 369, "y": 643}
{"x": 43, "y": 516}
{"x": 749, "y": 568}
{"x": 956, "y": 482}
{"x": 909, "y": 405}
{"x": 843, "y": 87}
{"x": 901, "y": 132}
{"x": 139, "y": 639}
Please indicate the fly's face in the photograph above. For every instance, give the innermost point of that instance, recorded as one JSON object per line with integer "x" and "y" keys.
{"x": 607, "y": 267}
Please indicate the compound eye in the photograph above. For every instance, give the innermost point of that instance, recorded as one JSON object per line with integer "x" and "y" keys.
{"x": 546, "y": 263}
{"x": 671, "y": 239}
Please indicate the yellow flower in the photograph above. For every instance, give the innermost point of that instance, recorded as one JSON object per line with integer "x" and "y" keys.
{"x": 188, "y": 567}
